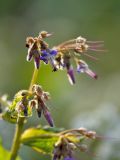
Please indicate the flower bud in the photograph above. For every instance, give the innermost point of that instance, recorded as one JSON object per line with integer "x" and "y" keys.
{"x": 91, "y": 134}
{"x": 82, "y": 130}
{"x": 48, "y": 117}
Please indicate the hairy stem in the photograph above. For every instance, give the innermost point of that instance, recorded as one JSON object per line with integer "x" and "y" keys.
{"x": 19, "y": 126}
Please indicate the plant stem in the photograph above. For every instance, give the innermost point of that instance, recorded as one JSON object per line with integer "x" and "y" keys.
{"x": 19, "y": 126}
{"x": 34, "y": 78}
{"x": 16, "y": 140}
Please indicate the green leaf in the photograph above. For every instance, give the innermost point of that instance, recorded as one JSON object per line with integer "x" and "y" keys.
{"x": 53, "y": 129}
{"x": 4, "y": 154}
{"x": 40, "y": 139}
{"x": 44, "y": 139}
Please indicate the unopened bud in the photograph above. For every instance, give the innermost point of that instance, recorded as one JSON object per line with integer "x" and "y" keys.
{"x": 82, "y": 130}
{"x": 48, "y": 117}
{"x": 91, "y": 134}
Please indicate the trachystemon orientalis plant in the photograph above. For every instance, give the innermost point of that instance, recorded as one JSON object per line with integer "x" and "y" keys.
{"x": 61, "y": 144}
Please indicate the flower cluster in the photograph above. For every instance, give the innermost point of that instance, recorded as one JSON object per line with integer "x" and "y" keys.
{"x": 63, "y": 148}
{"x": 69, "y": 141}
{"x": 38, "y": 102}
{"x": 25, "y": 101}
{"x": 35, "y": 46}
{"x": 59, "y": 57}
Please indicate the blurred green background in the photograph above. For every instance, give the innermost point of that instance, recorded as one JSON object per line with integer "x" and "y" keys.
{"x": 89, "y": 103}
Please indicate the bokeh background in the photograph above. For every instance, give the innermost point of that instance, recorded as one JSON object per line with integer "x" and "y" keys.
{"x": 89, "y": 103}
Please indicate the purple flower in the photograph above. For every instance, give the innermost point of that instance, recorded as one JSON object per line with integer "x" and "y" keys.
{"x": 38, "y": 102}
{"x": 37, "y": 62}
{"x": 29, "y": 56}
{"x": 70, "y": 74}
{"x": 91, "y": 74}
{"x": 49, "y": 56}
{"x": 82, "y": 67}
{"x": 48, "y": 117}
{"x": 36, "y": 55}
{"x": 69, "y": 158}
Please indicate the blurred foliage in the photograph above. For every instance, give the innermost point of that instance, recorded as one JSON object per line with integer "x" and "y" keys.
{"x": 71, "y": 106}
{"x": 4, "y": 154}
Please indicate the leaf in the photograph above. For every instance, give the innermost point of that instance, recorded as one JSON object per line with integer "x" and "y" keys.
{"x": 40, "y": 139}
{"x": 4, "y": 154}
{"x": 44, "y": 139}
{"x": 53, "y": 129}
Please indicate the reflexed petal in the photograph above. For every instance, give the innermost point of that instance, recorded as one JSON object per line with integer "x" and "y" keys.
{"x": 80, "y": 69}
{"x": 53, "y": 64}
{"x": 29, "y": 56}
{"x": 91, "y": 73}
{"x": 70, "y": 74}
{"x": 37, "y": 62}
{"x": 81, "y": 66}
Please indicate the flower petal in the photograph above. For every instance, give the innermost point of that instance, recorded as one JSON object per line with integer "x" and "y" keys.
{"x": 69, "y": 158}
{"x": 70, "y": 74}
{"x": 91, "y": 73}
{"x": 29, "y": 56}
{"x": 48, "y": 117}
{"x": 53, "y": 52}
{"x": 37, "y": 62}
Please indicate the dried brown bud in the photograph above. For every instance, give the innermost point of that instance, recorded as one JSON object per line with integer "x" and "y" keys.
{"x": 91, "y": 134}
{"x": 37, "y": 89}
{"x": 30, "y": 40}
{"x": 82, "y": 130}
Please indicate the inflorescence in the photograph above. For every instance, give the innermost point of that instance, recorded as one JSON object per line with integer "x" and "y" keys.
{"x": 60, "y": 57}
{"x": 69, "y": 141}
{"x": 25, "y": 101}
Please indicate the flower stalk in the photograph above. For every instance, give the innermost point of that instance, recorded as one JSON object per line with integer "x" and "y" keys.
{"x": 19, "y": 126}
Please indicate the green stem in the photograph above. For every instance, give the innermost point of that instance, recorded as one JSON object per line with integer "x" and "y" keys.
{"x": 34, "y": 78}
{"x": 19, "y": 126}
{"x": 16, "y": 140}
